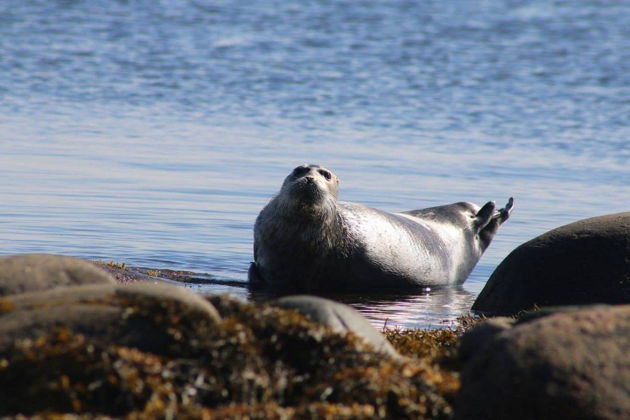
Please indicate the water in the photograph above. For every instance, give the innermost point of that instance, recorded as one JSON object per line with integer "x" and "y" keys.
{"x": 152, "y": 132}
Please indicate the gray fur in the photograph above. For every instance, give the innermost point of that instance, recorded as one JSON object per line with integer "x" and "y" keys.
{"x": 305, "y": 240}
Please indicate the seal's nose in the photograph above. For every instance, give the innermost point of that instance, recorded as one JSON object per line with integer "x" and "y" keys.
{"x": 310, "y": 179}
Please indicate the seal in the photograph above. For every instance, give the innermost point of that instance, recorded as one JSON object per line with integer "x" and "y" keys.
{"x": 305, "y": 240}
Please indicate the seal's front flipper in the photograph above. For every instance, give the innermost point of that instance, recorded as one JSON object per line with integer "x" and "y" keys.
{"x": 484, "y": 215}
{"x": 492, "y": 221}
{"x": 253, "y": 275}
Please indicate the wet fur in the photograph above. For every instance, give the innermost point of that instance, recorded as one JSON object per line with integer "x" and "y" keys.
{"x": 305, "y": 240}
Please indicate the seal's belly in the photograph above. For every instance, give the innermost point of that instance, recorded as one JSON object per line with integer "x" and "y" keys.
{"x": 404, "y": 247}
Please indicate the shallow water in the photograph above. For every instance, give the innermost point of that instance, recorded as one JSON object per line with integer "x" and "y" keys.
{"x": 152, "y": 133}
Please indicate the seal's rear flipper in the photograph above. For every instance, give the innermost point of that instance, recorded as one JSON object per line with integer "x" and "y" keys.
{"x": 488, "y": 221}
{"x": 504, "y": 213}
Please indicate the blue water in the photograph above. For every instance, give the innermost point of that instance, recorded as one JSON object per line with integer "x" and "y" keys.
{"x": 152, "y": 132}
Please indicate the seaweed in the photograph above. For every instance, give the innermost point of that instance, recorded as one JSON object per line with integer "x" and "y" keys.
{"x": 257, "y": 362}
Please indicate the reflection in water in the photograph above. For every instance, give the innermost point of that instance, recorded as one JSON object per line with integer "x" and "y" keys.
{"x": 430, "y": 309}
{"x": 424, "y": 309}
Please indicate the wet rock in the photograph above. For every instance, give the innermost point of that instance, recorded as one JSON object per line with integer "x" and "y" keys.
{"x": 35, "y": 272}
{"x": 152, "y": 317}
{"x": 565, "y": 365}
{"x": 341, "y": 318}
{"x": 123, "y": 273}
{"x": 258, "y": 361}
{"x": 581, "y": 263}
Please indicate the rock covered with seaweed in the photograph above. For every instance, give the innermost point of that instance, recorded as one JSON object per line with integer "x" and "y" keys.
{"x": 257, "y": 359}
{"x": 150, "y": 350}
{"x": 147, "y": 350}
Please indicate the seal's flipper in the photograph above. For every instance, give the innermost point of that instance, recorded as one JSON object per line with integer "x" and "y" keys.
{"x": 484, "y": 216}
{"x": 504, "y": 213}
{"x": 253, "y": 275}
{"x": 489, "y": 229}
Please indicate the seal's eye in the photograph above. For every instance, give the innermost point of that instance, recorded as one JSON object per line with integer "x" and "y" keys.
{"x": 325, "y": 174}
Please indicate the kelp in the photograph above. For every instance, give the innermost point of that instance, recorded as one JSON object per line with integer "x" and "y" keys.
{"x": 257, "y": 362}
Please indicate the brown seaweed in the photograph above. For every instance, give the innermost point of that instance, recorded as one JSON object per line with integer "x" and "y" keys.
{"x": 258, "y": 362}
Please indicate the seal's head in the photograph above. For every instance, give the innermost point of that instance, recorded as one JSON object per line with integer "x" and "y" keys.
{"x": 309, "y": 186}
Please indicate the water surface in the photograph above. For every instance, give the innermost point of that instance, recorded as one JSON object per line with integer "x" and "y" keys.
{"x": 152, "y": 132}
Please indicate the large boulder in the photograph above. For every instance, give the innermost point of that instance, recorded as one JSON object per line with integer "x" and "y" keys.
{"x": 157, "y": 318}
{"x": 35, "y": 272}
{"x": 339, "y": 317}
{"x": 566, "y": 365}
{"x": 580, "y": 263}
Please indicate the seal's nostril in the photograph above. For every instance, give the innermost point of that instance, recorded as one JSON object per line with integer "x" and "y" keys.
{"x": 310, "y": 179}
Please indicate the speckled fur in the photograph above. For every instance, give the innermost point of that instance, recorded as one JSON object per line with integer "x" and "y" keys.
{"x": 307, "y": 241}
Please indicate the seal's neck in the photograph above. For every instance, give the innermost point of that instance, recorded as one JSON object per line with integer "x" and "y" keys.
{"x": 316, "y": 224}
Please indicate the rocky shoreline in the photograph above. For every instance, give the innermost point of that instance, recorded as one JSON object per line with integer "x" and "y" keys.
{"x": 155, "y": 350}
{"x": 107, "y": 340}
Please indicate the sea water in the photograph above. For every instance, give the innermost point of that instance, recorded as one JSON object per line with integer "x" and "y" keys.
{"x": 153, "y": 132}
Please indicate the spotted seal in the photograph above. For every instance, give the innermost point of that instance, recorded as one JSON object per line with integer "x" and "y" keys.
{"x": 305, "y": 240}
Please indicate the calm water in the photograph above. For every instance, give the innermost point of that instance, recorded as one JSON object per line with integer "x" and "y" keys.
{"x": 152, "y": 132}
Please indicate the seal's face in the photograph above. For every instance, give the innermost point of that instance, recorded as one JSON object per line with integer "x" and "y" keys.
{"x": 311, "y": 185}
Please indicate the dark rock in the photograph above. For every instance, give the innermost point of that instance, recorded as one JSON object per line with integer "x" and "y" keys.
{"x": 339, "y": 317}
{"x": 568, "y": 365}
{"x": 482, "y": 334}
{"x": 528, "y": 316}
{"x": 581, "y": 263}
{"x": 152, "y": 317}
{"x": 35, "y": 272}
